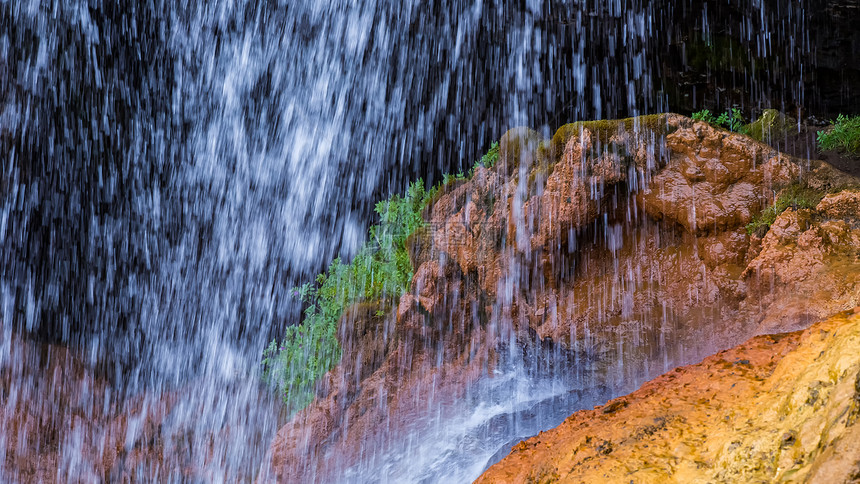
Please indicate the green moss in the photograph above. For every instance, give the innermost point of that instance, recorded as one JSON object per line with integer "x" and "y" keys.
{"x": 549, "y": 152}
{"x": 772, "y": 124}
{"x": 516, "y": 146}
{"x": 651, "y": 122}
{"x": 603, "y": 130}
{"x": 796, "y": 196}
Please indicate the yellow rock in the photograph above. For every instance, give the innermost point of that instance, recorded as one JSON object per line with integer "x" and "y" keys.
{"x": 778, "y": 408}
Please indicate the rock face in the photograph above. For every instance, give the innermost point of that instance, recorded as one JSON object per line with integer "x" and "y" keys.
{"x": 63, "y": 406}
{"x": 67, "y": 424}
{"x": 776, "y": 408}
{"x": 718, "y": 181}
{"x": 619, "y": 248}
{"x": 807, "y": 264}
{"x": 619, "y": 243}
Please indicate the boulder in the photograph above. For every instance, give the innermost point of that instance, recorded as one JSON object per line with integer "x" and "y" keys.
{"x": 715, "y": 180}
{"x": 552, "y": 246}
{"x": 772, "y": 125}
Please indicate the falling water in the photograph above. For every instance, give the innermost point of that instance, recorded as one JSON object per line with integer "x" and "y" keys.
{"x": 172, "y": 169}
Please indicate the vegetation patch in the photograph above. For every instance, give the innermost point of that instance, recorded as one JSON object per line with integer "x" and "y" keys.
{"x": 731, "y": 120}
{"x": 604, "y": 129}
{"x": 844, "y": 135}
{"x": 490, "y": 158}
{"x": 380, "y": 272}
{"x": 796, "y": 196}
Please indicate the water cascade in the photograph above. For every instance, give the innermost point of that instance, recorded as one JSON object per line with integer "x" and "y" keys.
{"x": 172, "y": 170}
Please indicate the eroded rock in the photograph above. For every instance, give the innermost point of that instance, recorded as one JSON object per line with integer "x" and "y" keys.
{"x": 807, "y": 266}
{"x": 715, "y": 180}
{"x": 844, "y": 204}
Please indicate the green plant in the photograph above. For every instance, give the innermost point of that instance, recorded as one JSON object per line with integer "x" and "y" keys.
{"x": 380, "y": 271}
{"x": 490, "y": 157}
{"x": 845, "y": 134}
{"x": 488, "y": 160}
{"x": 731, "y": 120}
{"x": 705, "y": 115}
{"x": 449, "y": 178}
{"x": 796, "y": 196}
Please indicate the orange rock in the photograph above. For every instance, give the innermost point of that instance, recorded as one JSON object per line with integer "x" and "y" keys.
{"x": 715, "y": 180}
{"x": 841, "y": 205}
{"x": 808, "y": 266}
{"x": 776, "y": 408}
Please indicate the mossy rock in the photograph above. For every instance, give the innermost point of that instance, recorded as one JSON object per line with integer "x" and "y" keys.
{"x": 517, "y": 146}
{"x": 602, "y": 130}
{"x": 524, "y": 145}
{"x": 795, "y": 196}
{"x": 772, "y": 124}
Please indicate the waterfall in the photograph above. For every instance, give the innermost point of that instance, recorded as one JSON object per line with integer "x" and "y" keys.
{"x": 171, "y": 169}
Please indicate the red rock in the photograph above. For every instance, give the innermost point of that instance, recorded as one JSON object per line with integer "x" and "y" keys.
{"x": 715, "y": 180}
{"x": 841, "y": 205}
{"x": 501, "y": 263}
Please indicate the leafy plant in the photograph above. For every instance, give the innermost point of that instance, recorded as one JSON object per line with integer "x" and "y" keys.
{"x": 705, "y": 115}
{"x": 448, "y": 178}
{"x": 796, "y": 196}
{"x": 845, "y": 134}
{"x": 490, "y": 157}
{"x": 380, "y": 271}
{"x": 731, "y": 120}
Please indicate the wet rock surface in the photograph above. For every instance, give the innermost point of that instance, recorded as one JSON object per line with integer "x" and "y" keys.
{"x": 66, "y": 410}
{"x": 716, "y": 181}
{"x": 153, "y": 204}
{"x": 575, "y": 244}
{"x": 776, "y": 408}
{"x": 70, "y": 424}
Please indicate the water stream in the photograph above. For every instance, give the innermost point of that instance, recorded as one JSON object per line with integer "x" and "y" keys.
{"x": 171, "y": 169}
